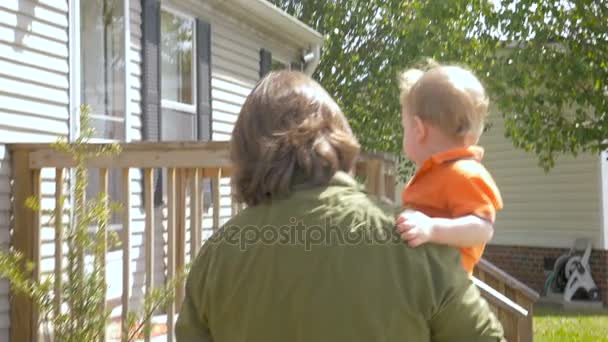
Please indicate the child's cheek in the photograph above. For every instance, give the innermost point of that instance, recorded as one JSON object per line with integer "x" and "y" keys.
{"x": 410, "y": 147}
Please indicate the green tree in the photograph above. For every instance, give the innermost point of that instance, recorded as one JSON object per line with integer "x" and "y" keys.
{"x": 540, "y": 61}
{"x": 550, "y": 79}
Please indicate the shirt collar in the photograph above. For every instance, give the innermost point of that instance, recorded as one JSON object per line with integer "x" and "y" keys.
{"x": 472, "y": 152}
{"x": 340, "y": 178}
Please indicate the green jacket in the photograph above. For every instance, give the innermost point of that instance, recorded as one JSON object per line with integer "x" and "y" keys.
{"x": 326, "y": 265}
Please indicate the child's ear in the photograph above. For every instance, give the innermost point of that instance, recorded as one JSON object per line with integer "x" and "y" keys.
{"x": 421, "y": 129}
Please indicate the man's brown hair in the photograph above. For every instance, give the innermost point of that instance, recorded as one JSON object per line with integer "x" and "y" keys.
{"x": 288, "y": 128}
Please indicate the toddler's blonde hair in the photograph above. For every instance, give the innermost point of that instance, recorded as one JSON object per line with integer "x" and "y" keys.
{"x": 449, "y": 97}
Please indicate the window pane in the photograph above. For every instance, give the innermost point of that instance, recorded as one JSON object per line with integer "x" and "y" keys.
{"x": 108, "y": 129}
{"x": 177, "y": 37}
{"x": 103, "y": 60}
{"x": 178, "y": 126}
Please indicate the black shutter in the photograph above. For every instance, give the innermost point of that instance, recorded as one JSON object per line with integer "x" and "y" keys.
{"x": 265, "y": 62}
{"x": 151, "y": 88}
{"x": 203, "y": 86}
{"x": 203, "y": 79}
{"x": 296, "y": 66}
{"x": 151, "y": 69}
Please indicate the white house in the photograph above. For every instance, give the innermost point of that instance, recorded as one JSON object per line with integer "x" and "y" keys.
{"x": 157, "y": 70}
{"x": 545, "y": 213}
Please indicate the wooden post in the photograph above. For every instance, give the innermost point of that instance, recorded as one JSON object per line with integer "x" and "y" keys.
{"x": 203, "y": 211}
{"x": 59, "y": 201}
{"x": 171, "y": 226}
{"x": 126, "y": 252}
{"x": 26, "y": 239}
{"x": 501, "y": 286}
{"x": 181, "y": 234}
{"x": 149, "y": 244}
{"x": 372, "y": 174}
{"x": 196, "y": 216}
{"x": 215, "y": 184}
{"x": 390, "y": 181}
{"x": 59, "y": 175}
{"x": 37, "y": 185}
{"x": 525, "y": 325}
{"x": 233, "y": 201}
{"x": 103, "y": 188}
{"x": 381, "y": 180}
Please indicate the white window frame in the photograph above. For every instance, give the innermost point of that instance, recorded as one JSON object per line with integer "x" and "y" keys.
{"x": 74, "y": 61}
{"x": 75, "y": 95}
{"x": 175, "y": 105}
{"x": 76, "y": 74}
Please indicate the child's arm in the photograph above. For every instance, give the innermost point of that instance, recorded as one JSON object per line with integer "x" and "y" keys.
{"x": 417, "y": 228}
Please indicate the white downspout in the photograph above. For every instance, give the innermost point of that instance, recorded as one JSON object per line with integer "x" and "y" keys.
{"x": 312, "y": 62}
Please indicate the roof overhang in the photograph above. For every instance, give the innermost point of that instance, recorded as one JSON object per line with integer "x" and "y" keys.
{"x": 273, "y": 21}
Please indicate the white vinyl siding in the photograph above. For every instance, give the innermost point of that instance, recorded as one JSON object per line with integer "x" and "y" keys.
{"x": 235, "y": 70}
{"x": 34, "y": 95}
{"x": 543, "y": 209}
{"x": 137, "y": 206}
{"x": 33, "y": 70}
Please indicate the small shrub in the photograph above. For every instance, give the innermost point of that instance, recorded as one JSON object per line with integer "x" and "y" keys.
{"x": 82, "y": 315}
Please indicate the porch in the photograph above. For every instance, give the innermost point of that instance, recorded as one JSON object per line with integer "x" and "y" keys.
{"x": 165, "y": 225}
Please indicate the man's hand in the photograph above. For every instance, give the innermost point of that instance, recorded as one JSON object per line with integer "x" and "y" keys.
{"x": 415, "y": 227}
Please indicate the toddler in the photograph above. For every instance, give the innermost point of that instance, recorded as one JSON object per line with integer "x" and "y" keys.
{"x": 452, "y": 199}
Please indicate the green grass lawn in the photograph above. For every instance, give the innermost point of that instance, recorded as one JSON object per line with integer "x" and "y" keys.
{"x": 554, "y": 325}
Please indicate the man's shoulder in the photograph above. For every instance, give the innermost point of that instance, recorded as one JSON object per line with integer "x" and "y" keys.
{"x": 337, "y": 202}
{"x": 369, "y": 209}
{"x": 358, "y": 204}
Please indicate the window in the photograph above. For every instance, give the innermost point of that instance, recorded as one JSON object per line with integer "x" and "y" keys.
{"x": 178, "y": 77}
{"x": 103, "y": 80}
{"x": 177, "y": 51}
{"x": 103, "y": 74}
{"x": 185, "y": 43}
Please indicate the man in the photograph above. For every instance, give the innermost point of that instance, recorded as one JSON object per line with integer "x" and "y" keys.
{"x": 313, "y": 258}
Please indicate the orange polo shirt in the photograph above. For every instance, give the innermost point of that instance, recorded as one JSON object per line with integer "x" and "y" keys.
{"x": 453, "y": 184}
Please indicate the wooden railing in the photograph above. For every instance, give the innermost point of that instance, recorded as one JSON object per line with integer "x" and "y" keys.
{"x": 378, "y": 171}
{"x": 184, "y": 167}
{"x": 511, "y": 300}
